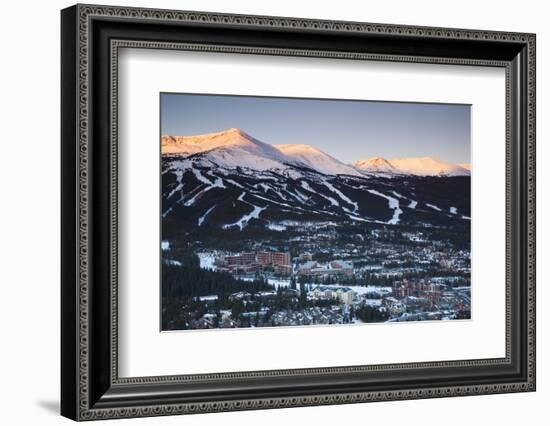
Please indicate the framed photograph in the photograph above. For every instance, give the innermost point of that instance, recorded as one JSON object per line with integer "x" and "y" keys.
{"x": 263, "y": 212}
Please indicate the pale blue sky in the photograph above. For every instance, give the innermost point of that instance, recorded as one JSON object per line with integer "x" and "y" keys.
{"x": 347, "y": 130}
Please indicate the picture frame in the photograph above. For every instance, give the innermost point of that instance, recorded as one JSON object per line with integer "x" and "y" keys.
{"x": 91, "y": 37}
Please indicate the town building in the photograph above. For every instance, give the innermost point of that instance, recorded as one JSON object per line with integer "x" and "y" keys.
{"x": 342, "y": 294}
{"x": 394, "y": 306}
{"x": 254, "y": 262}
{"x": 336, "y": 267}
{"x": 422, "y": 288}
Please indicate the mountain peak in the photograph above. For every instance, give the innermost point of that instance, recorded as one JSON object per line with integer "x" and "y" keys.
{"x": 230, "y": 148}
{"x": 235, "y": 131}
{"x": 188, "y": 145}
{"x": 374, "y": 164}
{"x": 418, "y": 166}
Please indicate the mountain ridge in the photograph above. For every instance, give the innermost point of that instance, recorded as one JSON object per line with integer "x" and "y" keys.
{"x": 316, "y": 159}
{"x": 233, "y": 147}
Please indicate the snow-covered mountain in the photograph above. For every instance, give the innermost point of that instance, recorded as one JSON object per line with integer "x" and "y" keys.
{"x": 233, "y": 148}
{"x": 230, "y": 139}
{"x": 428, "y": 166}
{"x": 229, "y": 149}
{"x": 316, "y": 159}
{"x": 375, "y": 165}
{"x": 467, "y": 166}
{"x": 416, "y": 166}
{"x": 231, "y": 181}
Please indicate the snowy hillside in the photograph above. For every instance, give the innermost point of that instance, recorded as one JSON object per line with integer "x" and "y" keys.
{"x": 316, "y": 159}
{"x": 197, "y": 195}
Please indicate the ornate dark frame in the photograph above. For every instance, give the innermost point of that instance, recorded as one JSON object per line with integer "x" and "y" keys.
{"x": 91, "y": 37}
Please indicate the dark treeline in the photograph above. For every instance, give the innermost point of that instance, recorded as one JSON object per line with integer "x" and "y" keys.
{"x": 189, "y": 280}
{"x": 370, "y": 314}
{"x": 366, "y": 279}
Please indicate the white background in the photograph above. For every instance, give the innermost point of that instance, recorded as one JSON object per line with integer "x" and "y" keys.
{"x": 146, "y": 352}
{"x": 29, "y": 229}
